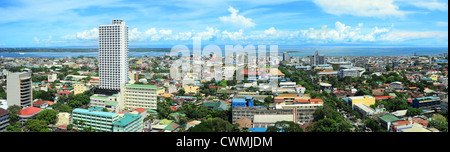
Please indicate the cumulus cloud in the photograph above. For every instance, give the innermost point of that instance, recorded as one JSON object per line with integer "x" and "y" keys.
{"x": 362, "y": 8}
{"x": 88, "y": 34}
{"x": 343, "y": 33}
{"x": 237, "y": 20}
{"x": 431, "y": 5}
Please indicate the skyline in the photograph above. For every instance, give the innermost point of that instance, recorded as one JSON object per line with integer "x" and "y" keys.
{"x": 421, "y": 23}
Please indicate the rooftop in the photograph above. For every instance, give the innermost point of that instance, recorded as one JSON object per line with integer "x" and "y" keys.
{"x": 29, "y": 111}
{"x": 127, "y": 118}
{"x": 141, "y": 86}
{"x": 94, "y": 111}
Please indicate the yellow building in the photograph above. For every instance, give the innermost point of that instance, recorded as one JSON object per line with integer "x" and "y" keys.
{"x": 434, "y": 77}
{"x": 367, "y": 100}
{"x": 160, "y": 90}
{"x": 79, "y": 88}
{"x": 191, "y": 89}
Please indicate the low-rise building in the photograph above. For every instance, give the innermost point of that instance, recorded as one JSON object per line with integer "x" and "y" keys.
{"x": 140, "y": 96}
{"x": 265, "y": 121}
{"x": 105, "y": 121}
{"x": 4, "y": 119}
{"x": 427, "y": 103}
{"x": 367, "y": 100}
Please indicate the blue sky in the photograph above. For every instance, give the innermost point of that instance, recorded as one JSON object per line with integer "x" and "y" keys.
{"x": 165, "y": 23}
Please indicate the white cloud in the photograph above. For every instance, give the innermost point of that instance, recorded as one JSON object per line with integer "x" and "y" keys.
{"x": 237, "y": 20}
{"x": 88, "y": 34}
{"x": 431, "y": 5}
{"x": 233, "y": 35}
{"x": 362, "y": 8}
{"x": 342, "y": 33}
{"x": 442, "y": 24}
{"x": 408, "y": 35}
{"x": 36, "y": 40}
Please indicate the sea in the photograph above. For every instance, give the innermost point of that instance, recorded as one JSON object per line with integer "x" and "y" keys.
{"x": 293, "y": 51}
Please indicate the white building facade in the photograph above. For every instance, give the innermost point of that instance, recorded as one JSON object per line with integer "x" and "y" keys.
{"x": 113, "y": 55}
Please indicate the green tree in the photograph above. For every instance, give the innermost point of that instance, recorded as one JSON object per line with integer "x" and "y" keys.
{"x": 413, "y": 112}
{"x": 36, "y": 125}
{"x": 285, "y": 126}
{"x": 362, "y": 92}
{"x": 181, "y": 92}
{"x": 48, "y": 115}
{"x": 439, "y": 122}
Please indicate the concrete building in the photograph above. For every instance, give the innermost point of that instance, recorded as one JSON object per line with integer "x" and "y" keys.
{"x": 286, "y": 57}
{"x": 128, "y": 123}
{"x": 105, "y": 121}
{"x": 352, "y": 72}
{"x": 4, "y": 119}
{"x": 113, "y": 56}
{"x": 444, "y": 105}
{"x": 265, "y": 121}
{"x": 140, "y": 96}
{"x": 102, "y": 101}
{"x": 79, "y": 88}
{"x": 317, "y": 59}
{"x": 19, "y": 90}
{"x": 427, "y": 103}
{"x": 367, "y": 100}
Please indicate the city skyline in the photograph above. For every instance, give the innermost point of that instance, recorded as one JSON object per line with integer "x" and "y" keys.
{"x": 287, "y": 22}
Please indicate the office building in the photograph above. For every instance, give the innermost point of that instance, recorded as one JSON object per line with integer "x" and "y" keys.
{"x": 427, "y": 103}
{"x": 316, "y": 59}
{"x": 140, "y": 96}
{"x": 19, "y": 90}
{"x": 113, "y": 56}
{"x": 286, "y": 57}
{"x": 105, "y": 121}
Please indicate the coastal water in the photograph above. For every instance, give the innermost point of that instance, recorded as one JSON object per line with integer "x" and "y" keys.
{"x": 294, "y": 51}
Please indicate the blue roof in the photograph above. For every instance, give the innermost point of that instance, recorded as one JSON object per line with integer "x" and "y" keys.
{"x": 257, "y": 129}
{"x": 429, "y": 97}
{"x": 94, "y": 111}
{"x": 250, "y": 98}
{"x": 238, "y": 101}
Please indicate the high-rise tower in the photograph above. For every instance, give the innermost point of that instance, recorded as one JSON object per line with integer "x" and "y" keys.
{"x": 113, "y": 56}
{"x": 19, "y": 89}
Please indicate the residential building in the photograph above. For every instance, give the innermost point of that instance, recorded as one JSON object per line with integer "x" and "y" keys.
{"x": 191, "y": 89}
{"x": 396, "y": 85}
{"x": 28, "y": 113}
{"x": 4, "y": 119}
{"x": 128, "y": 123}
{"x": 105, "y": 121}
{"x": 267, "y": 120}
{"x": 352, "y": 72}
{"x": 317, "y": 59}
{"x": 367, "y": 100}
{"x": 52, "y": 77}
{"x": 426, "y": 103}
{"x": 140, "y": 96}
{"x": 444, "y": 105}
{"x": 19, "y": 90}
{"x": 286, "y": 57}
{"x": 99, "y": 100}
{"x": 79, "y": 88}
{"x": 113, "y": 56}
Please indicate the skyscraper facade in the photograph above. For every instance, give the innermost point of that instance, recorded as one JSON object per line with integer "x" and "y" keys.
{"x": 19, "y": 89}
{"x": 113, "y": 55}
{"x": 286, "y": 57}
{"x": 316, "y": 59}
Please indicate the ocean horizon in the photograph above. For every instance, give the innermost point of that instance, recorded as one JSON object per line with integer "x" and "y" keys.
{"x": 294, "y": 51}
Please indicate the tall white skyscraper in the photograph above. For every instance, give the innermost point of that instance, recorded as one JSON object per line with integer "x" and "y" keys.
{"x": 113, "y": 55}
{"x": 18, "y": 89}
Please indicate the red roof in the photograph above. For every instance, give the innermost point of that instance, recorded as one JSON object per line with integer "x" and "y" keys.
{"x": 140, "y": 110}
{"x": 383, "y": 97}
{"x": 316, "y": 100}
{"x": 29, "y": 111}
{"x": 64, "y": 92}
{"x": 245, "y": 71}
{"x": 401, "y": 122}
{"x": 42, "y": 102}
{"x": 173, "y": 108}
